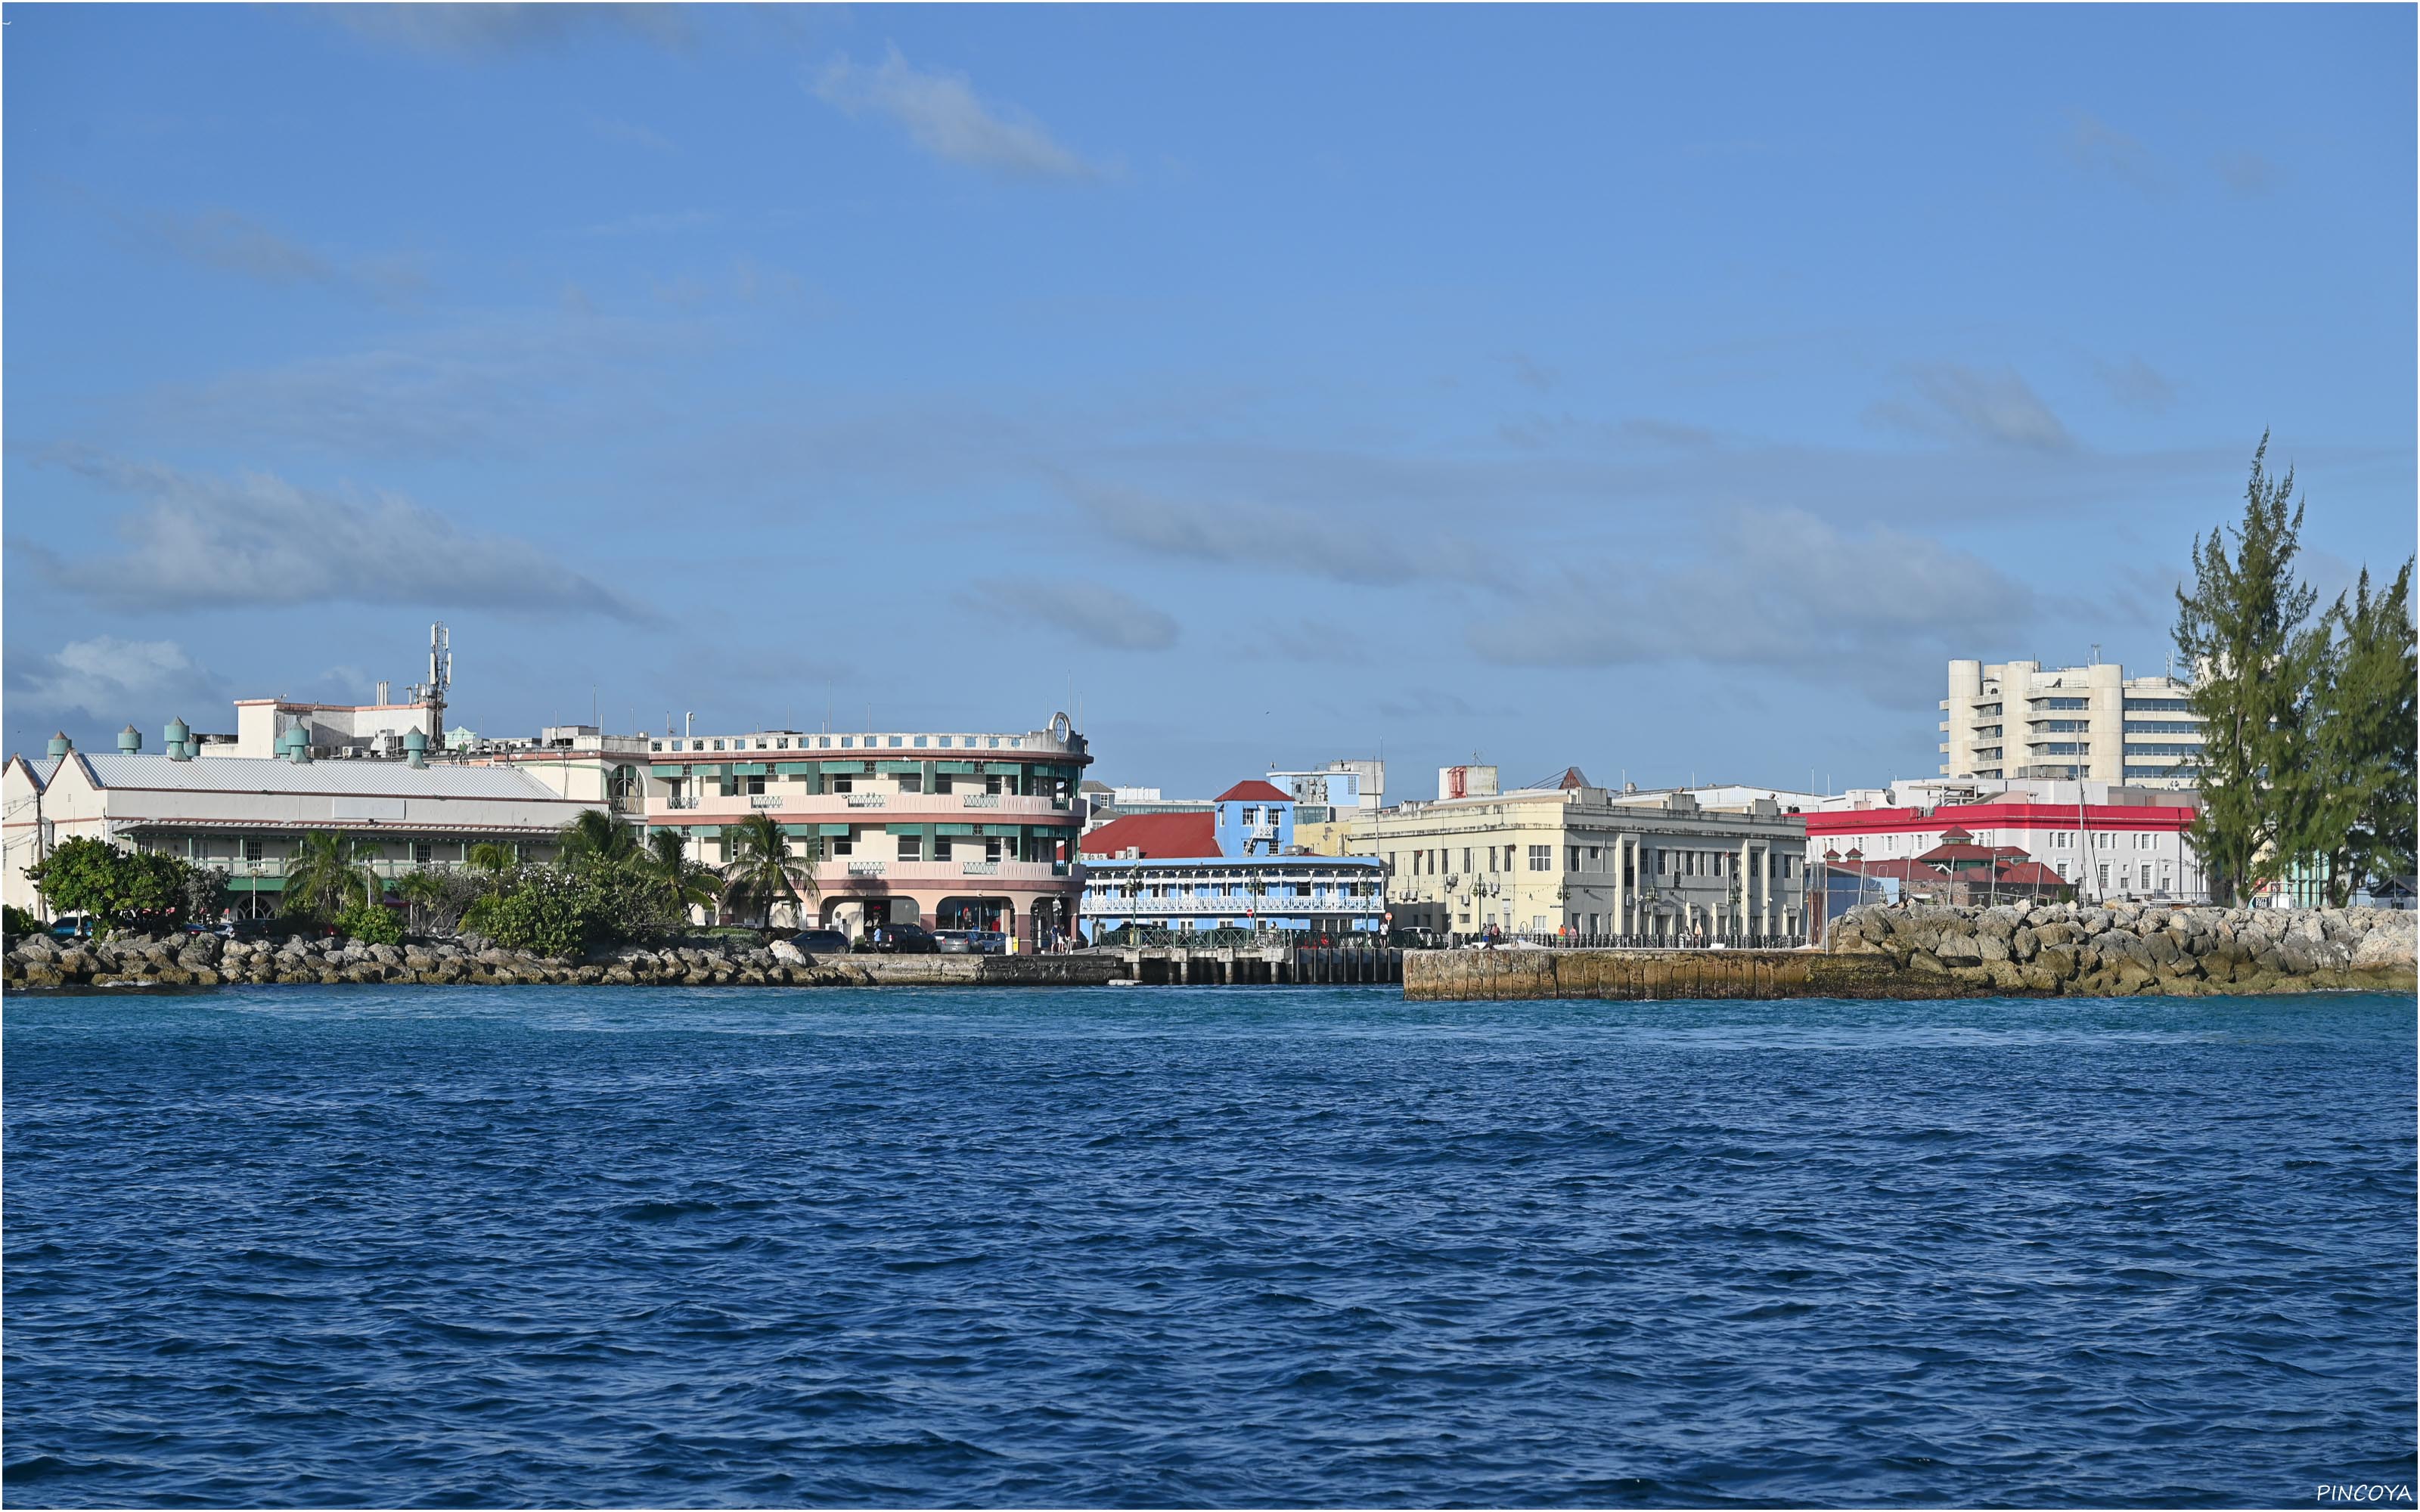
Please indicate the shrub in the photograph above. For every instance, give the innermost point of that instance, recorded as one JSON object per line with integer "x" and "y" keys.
{"x": 371, "y": 924}
{"x": 120, "y": 888}
{"x": 15, "y": 922}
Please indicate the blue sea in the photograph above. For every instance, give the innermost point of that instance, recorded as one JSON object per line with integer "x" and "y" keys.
{"x": 1289, "y": 1247}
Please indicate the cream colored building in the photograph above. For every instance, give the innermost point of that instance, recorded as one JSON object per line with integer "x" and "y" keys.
{"x": 1588, "y": 862}
{"x": 2017, "y": 720}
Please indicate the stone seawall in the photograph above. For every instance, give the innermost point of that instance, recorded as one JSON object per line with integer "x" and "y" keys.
{"x": 204, "y": 961}
{"x": 1894, "y": 951}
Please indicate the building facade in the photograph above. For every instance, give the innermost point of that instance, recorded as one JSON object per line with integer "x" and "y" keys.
{"x": 2107, "y": 839}
{"x": 1234, "y": 865}
{"x": 953, "y": 831}
{"x": 1580, "y": 861}
{"x": 2012, "y": 720}
{"x": 247, "y": 815}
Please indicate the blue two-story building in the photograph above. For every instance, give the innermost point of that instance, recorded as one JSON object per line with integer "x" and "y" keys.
{"x": 1234, "y": 866}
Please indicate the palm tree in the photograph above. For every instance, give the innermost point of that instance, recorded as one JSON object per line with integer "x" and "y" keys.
{"x": 330, "y": 869}
{"x": 418, "y": 890}
{"x": 490, "y": 857}
{"x": 598, "y": 838}
{"x": 690, "y": 884}
{"x": 761, "y": 870}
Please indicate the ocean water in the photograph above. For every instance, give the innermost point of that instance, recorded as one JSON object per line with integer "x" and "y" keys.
{"x": 1292, "y": 1247}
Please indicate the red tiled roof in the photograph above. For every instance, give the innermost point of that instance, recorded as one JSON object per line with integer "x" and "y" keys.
{"x": 1252, "y": 790}
{"x": 2031, "y": 875}
{"x": 1957, "y": 853}
{"x": 1157, "y": 836}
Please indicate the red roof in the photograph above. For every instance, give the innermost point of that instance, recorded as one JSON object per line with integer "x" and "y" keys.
{"x": 1157, "y": 836}
{"x": 2031, "y": 875}
{"x": 1254, "y": 790}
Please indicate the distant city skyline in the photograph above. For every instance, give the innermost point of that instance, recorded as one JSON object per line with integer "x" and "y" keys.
{"x": 1668, "y": 392}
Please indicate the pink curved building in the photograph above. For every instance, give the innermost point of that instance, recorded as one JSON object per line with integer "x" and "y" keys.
{"x": 950, "y": 830}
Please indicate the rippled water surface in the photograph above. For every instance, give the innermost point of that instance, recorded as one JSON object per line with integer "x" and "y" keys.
{"x": 361, "y": 1245}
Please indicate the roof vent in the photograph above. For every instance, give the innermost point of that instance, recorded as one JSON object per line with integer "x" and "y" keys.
{"x": 129, "y": 740}
{"x": 61, "y": 745}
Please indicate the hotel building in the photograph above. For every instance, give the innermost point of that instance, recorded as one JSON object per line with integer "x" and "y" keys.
{"x": 953, "y": 831}
{"x": 2011, "y": 720}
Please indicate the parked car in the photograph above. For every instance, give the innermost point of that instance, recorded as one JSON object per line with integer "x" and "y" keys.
{"x": 905, "y": 939}
{"x": 71, "y": 927}
{"x": 820, "y": 942}
{"x": 971, "y": 941}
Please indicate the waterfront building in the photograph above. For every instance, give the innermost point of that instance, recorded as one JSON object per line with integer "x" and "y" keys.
{"x": 2018, "y": 720}
{"x": 950, "y": 830}
{"x": 2107, "y": 839}
{"x": 1568, "y": 858}
{"x": 246, "y": 815}
{"x": 1233, "y": 864}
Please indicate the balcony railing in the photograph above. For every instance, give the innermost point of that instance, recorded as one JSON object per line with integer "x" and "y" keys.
{"x": 765, "y": 800}
{"x": 867, "y": 800}
{"x": 866, "y": 868}
{"x": 978, "y": 800}
{"x": 681, "y": 801}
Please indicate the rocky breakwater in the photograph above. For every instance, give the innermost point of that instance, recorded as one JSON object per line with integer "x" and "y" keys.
{"x": 206, "y": 960}
{"x": 2125, "y": 949}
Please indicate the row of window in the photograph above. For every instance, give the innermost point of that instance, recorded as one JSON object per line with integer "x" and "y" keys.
{"x": 2163, "y": 726}
{"x": 2060, "y": 747}
{"x": 1438, "y": 861}
{"x": 846, "y": 743}
{"x": 2160, "y": 748}
{"x": 1237, "y": 890}
{"x": 2159, "y": 705}
{"x": 2061, "y": 704}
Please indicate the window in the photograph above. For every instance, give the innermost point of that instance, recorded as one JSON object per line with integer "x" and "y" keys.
{"x": 254, "y": 850}
{"x": 717, "y": 745}
{"x": 941, "y": 847}
{"x": 751, "y": 785}
{"x": 847, "y": 741}
{"x": 2059, "y": 867}
{"x": 911, "y": 781}
{"x": 1576, "y": 858}
{"x": 2104, "y": 876}
{"x": 2062, "y": 703}
{"x": 423, "y": 852}
{"x": 845, "y": 845}
{"x": 2067, "y": 725}
{"x": 991, "y": 847}
{"x": 1542, "y": 859}
{"x": 919, "y": 742}
{"x": 896, "y": 740}
{"x": 912, "y": 848}
{"x": 1466, "y": 858}
{"x": 1251, "y": 816}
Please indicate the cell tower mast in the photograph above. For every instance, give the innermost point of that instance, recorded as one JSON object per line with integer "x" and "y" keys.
{"x": 441, "y": 679}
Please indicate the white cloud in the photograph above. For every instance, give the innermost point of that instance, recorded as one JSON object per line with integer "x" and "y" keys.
{"x": 1090, "y": 614}
{"x": 200, "y": 541}
{"x": 942, "y": 115}
{"x": 1962, "y": 403}
{"x": 105, "y": 678}
{"x": 1776, "y": 589}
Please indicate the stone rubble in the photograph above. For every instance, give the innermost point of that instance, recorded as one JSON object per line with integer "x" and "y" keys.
{"x": 2124, "y": 948}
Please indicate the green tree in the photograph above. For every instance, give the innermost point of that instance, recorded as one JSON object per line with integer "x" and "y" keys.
{"x": 596, "y": 838}
{"x": 684, "y": 883}
{"x": 423, "y": 890}
{"x": 2256, "y": 660}
{"x": 491, "y": 859}
{"x": 2361, "y": 758}
{"x": 370, "y": 923}
{"x": 117, "y": 887}
{"x": 330, "y": 873}
{"x": 762, "y": 872}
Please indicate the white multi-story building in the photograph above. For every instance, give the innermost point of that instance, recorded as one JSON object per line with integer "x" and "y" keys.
{"x": 2016, "y": 719}
{"x": 2108, "y": 840}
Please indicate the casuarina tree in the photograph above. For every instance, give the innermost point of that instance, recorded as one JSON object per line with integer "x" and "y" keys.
{"x": 2245, "y": 628}
{"x": 2361, "y": 756}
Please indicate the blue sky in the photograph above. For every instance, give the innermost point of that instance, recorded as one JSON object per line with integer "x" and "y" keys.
{"x": 1668, "y": 391}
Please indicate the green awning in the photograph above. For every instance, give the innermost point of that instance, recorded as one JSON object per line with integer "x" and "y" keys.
{"x": 967, "y": 768}
{"x": 667, "y": 771}
{"x": 831, "y": 829}
{"x": 907, "y": 829}
{"x": 843, "y": 767}
{"x": 917, "y": 767}
{"x": 799, "y": 831}
{"x": 709, "y": 771}
{"x": 954, "y": 829}
{"x": 751, "y": 769}
{"x": 793, "y": 768}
